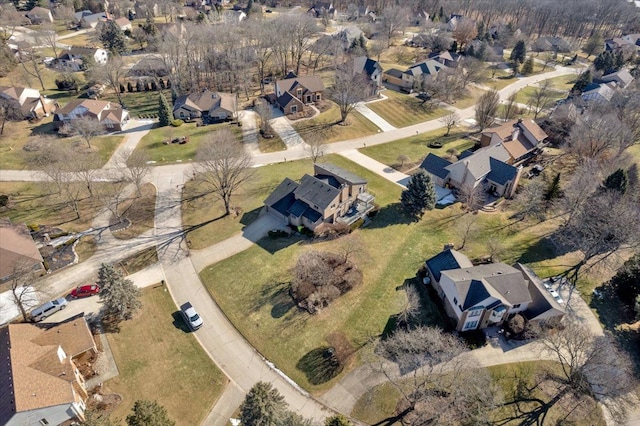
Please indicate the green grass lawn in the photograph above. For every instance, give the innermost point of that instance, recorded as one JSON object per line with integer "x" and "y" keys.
{"x": 525, "y": 94}
{"x": 357, "y": 126}
{"x": 380, "y": 402}
{"x": 470, "y": 98}
{"x": 402, "y": 110}
{"x": 158, "y": 360}
{"x": 139, "y": 103}
{"x": 417, "y": 147}
{"x": 152, "y": 143}
{"x": 274, "y": 144}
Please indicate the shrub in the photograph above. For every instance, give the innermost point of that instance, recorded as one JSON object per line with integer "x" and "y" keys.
{"x": 34, "y": 227}
{"x": 357, "y": 224}
{"x": 66, "y": 82}
{"x": 277, "y": 234}
{"x": 4, "y": 200}
{"x": 177, "y": 123}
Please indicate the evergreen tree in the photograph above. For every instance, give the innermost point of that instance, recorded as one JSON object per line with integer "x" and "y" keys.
{"x": 519, "y": 52}
{"x": 337, "y": 420}
{"x": 420, "y": 194}
{"x": 113, "y": 38}
{"x": 129, "y": 87}
{"x": 164, "y": 111}
{"x": 527, "y": 68}
{"x": 553, "y": 190}
{"x": 617, "y": 181}
{"x": 583, "y": 81}
{"x": 626, "y": 282}
{"x": 263, "y": 406}
{"x": 249, "y": 7}
{"x": 149, "y": 413}
{"x": 604, "y": 62}
{"x": 119, "y": 295}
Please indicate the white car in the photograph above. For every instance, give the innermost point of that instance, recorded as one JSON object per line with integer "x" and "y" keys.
{"x": 190, "y": 316}
{"x": 556, "y": 296}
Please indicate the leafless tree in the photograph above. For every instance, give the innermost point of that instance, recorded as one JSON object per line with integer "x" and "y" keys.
{"x": 65, "y": 14}
{"x": 464, "y": 32}
{"x": 21, "y": 283}
{"x": 403, "y": 158}
{"x": 393, "y": 21}
{"x": 315, "y": 144}
{"x": 348, "y": 89}
{"x": 110, "y": 73}
{"x": 541, "y": 98}
{"x": 510, "y": 106}
{"x": 85, "y": 167}
{"x": 467, "y": 226}
{"x": 261, "y": 38}
{"x": 223, "y": 165}
{"x": 295, "y": 33}
{"x": 487, "y": 108}
{"x": 411, "y": 307}
{"x": 9, "y": 110}
{"x": 600, "y": 137}
{"x": 530, "y": 201}
{"x": 86, "y": 127}
{"x": 436, "y": 384}
{"x": 264, "y": 112}
{"x": 10, "y": 19}
{"x": 583, "y": 184}
{"x": 31, "y": 60}
{"x": 472, "y": 198}
{"x": 114, "y": 194}
{"x": 471, "y": 70}
{"x": 136, "y": 167}
{"x": 449, "y": 121}
{"x": 49, "y": 37}
{"x": 592, "y": 367}
{"x": 447, "y": 87}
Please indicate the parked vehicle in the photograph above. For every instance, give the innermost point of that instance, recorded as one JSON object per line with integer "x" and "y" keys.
{"x": 85, "y": 291}
{"x": 48, "y": 309}
{"x": 190, "y": 316}
{"x": 556, "y": 296}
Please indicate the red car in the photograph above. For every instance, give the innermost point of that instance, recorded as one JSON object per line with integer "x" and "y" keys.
{"x": 85, "y": 291}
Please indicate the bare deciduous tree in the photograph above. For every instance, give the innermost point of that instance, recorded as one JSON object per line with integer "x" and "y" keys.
{"x": 348, "y": 89}
{"x": 23, "y": 294}
{"x": 541, "y": 98}
{"x": 510, "y": 106}
{"x": 468, "y": 225}
{"x": 136, "y": 167}
{"x": 110, "y": 73}
{"x": 264, "y": 111}
{"x": 393, "y": 20}
{"x": 472, "y": 198}
{"x": 600, "y": 137}
{"x": 403, "y": 158}
{"x": 411, "y": 306}
{"x": 487, "y": 108}
{"x": 530, "y": 201}
{"x": 449, "y": 121}
{"x": 465, "y": 31}
{"x": 114, "y": 194}
{"x": 86, "y": 127}
{"x": 223, "y": 165}
{"x": 315, "y": 144}
{"x": 9, "y": 110}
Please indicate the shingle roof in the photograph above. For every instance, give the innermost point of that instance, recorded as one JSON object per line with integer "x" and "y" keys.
{"x": 501, "y": 173}
{"x": 297, "y": 208}
{"x": 479, "y": 164}
{"x": 206, "y": 100}
{"x": 316, "y": 192}
{"x": 339, "y": 172}
{"x": 367, "y": 65}
{"x": 312, "y": 82}
{"x": 394, "y": 72}
{"x": 16, "y": 246}
{"x": 446, "y": 260}
{"x": 435, "y": 165}
{"x": 543, "y": 305}
{"x": 286, "y": 187}
{"x": 429, "y": 67}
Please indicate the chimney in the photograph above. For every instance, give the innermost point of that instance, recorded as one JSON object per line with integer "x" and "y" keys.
{"x": 448, "y": 246}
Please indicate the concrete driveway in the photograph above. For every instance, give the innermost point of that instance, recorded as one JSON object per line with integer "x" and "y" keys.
{"x": 281, "y": 125}
{"x": 383, "y": 124}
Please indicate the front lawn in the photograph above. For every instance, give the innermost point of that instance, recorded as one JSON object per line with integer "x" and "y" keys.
{"x": 417, "y": 147}
{"x": 139, "y": 104}
{"x": 139, "y": 209}
{"x": 357, "y": 126}
{"x": 402, "y": 110}
{"x": 273, "y": 144}
{"x": 470, "y": 98}
{"x": 158, "y": 360}
{"x": 152, "y": 143}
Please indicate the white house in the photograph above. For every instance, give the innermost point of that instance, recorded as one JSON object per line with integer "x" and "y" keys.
{"x": 75, "y": 58}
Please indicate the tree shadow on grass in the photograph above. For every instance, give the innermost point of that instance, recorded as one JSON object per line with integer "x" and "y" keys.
{"x": 391, "y": 214}
{"x": 543, "y": 249}
{"x": 275, "y": 244}
{"x": 250, "y": 216}
{"x": 281, "y": 303}
{"x": 320, "y": 365}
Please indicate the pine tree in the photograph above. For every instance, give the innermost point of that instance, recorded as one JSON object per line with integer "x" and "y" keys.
{"x": 119, "y": 295}
{"x": 149, "y": 413}
{"x": 583, "y": 81}
{"x": 519, "y": 52}
{"x": 337, "y": 420}
{"x": 604, "y": 62}
{"x": 527, "y": 68}
{"x": 263, "y": 406}
{"x": 420, "y": 194}
{"x": 113, "y": 38}
{"x": 617, "y": 181}
{"x": 164, "y": 111}
{"x": 129, "y": 87}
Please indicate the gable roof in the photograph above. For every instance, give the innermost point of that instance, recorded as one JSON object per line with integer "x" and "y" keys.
{"x": 543, "y": 305}
{"x": 622, "y": 77}
{"x": 435, "y": 165}
{"x": 429, "y": 67}
{"x": 311, "y": 82}
{"x": 446, "y": 260}
{"x": 366, "y": 65}
{"x": 95, "y": 107}
{"x": 206, "y": 100}
{"x": 501, "y": 173}
{"x": 479, "y": 164}
{"x": 319, "y": 194}
{"x": 394, "y": 72}
{"x": 338, "y": 172}
{"x": 286, "y": 187}
{"x": 16, "y": 247}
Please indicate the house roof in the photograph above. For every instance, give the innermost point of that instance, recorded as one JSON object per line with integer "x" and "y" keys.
{"x": 446, "y": 260}
{"x": 286, "y": 98}
{"x": 38, "y": 11}
{"x": 338, "y": 172}
{"x": 505, "y": 130}
{"x": 622, "y": 77}
{"x": 543, "y": 305}
{"x": 595, "y": 90}
{"x": 435, "y": 165}
{"x": 286, "y": 187}
{"x": 501, "y": 173}
{"x": 497, "y": 279}
{"x": 479, "y": 164}
{"x": 317, "y": 193}
{"x": 367, "y": 65}
{"x": 77, "y": 52}
{"x": 429, "y": 67}
{"x": 311, "y": 82}
{"x": 16, "y": 247}
{"x": 94, "y": 107}
{"x": 394, "y": 72}
{"x": 206, "y": 101}
{"x": 34, "y": 374}
{"x": 72, "y": 334}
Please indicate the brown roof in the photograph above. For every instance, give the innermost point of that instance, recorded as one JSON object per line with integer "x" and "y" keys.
{"x": 74, "y": 337}
{"x": 311, "y": 82}
{"x": 123, "y": 21}
{"x": 534, "y": 129}
{"x": 95, "y": 108}
{"x": 16, "y": 246}
{"x": 521, "y": 145}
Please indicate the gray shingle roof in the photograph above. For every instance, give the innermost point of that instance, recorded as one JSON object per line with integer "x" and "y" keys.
{"x": 501, "y": 173}
{"x": 316, "y": 191}
{"x": 435, "y": 165}
{"x": 446, "y": 260}
{"x": 286, "y": 187}
{"x": 339, "y": 172}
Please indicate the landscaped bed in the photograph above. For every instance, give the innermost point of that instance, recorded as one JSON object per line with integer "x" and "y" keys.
{"x": 158, "y": 360}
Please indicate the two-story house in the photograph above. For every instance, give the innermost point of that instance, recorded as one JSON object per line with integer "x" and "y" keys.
{"x": 76, "y": 58}
{"x": 293, "y": 93}
{"x": 112, "y": 116}
{"x": 39, "y": 377}
{"x": 39, "y": 15}
{"x": 405, "y": 80}
{"x": 209, "y": 106}
{"x": 522, "y": 138}
{"x": 18, "y": 251}
{"x": 31, "y": 103}
{"x": 372, "y": 71}
{"x": 488, "y": 167}
{"x": 331, "y": 195}
{"x": 476, "y": 297}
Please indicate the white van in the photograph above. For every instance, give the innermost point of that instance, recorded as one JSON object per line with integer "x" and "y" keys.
{"x": 48, "y": 309}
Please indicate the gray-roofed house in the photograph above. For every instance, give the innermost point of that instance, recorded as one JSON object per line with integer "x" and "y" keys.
{"x": 480, "y": 296}
{"x": 75, "y": 58}
{"x": 39, "y": 15}
{"x": 488, "y": 166}
{"x": 331, "y": 195}
{"x": 292, "y": 94}
{"x": 621, "y": 79}
{"x": 426, "y": 69}
{"x": 210, "y": 107}
{"x": 372, "y": 71}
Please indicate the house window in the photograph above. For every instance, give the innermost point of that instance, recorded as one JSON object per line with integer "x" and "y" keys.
{"x": 455, "y": 301}
{"x": 308, "y": 98}
{"x": 181, "y": 114}
{"x": 44, "y": 422}
{"x": 318, "y": 97}
{"x": 516, "y": 306}
{"x": 470, "y": 325}
{"x": 294, "y": 108}
{"x": 475, "y": 312}
{"x": 299, "y": 93}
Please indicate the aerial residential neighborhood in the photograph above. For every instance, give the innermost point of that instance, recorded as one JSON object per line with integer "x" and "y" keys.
{"x": 294, "y": 212}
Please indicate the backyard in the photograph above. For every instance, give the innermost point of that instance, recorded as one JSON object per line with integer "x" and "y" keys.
{"x": 153, "y": 143}
{"x": 259, "y": 304}
{"x": 326, "y": 123}
{"x": 157, "y": 360}
{"x": 140, "y": 104}
{"x": 402, "y": 110}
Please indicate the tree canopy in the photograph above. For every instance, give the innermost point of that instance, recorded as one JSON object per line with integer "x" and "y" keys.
{"x": 420, "y": 194}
